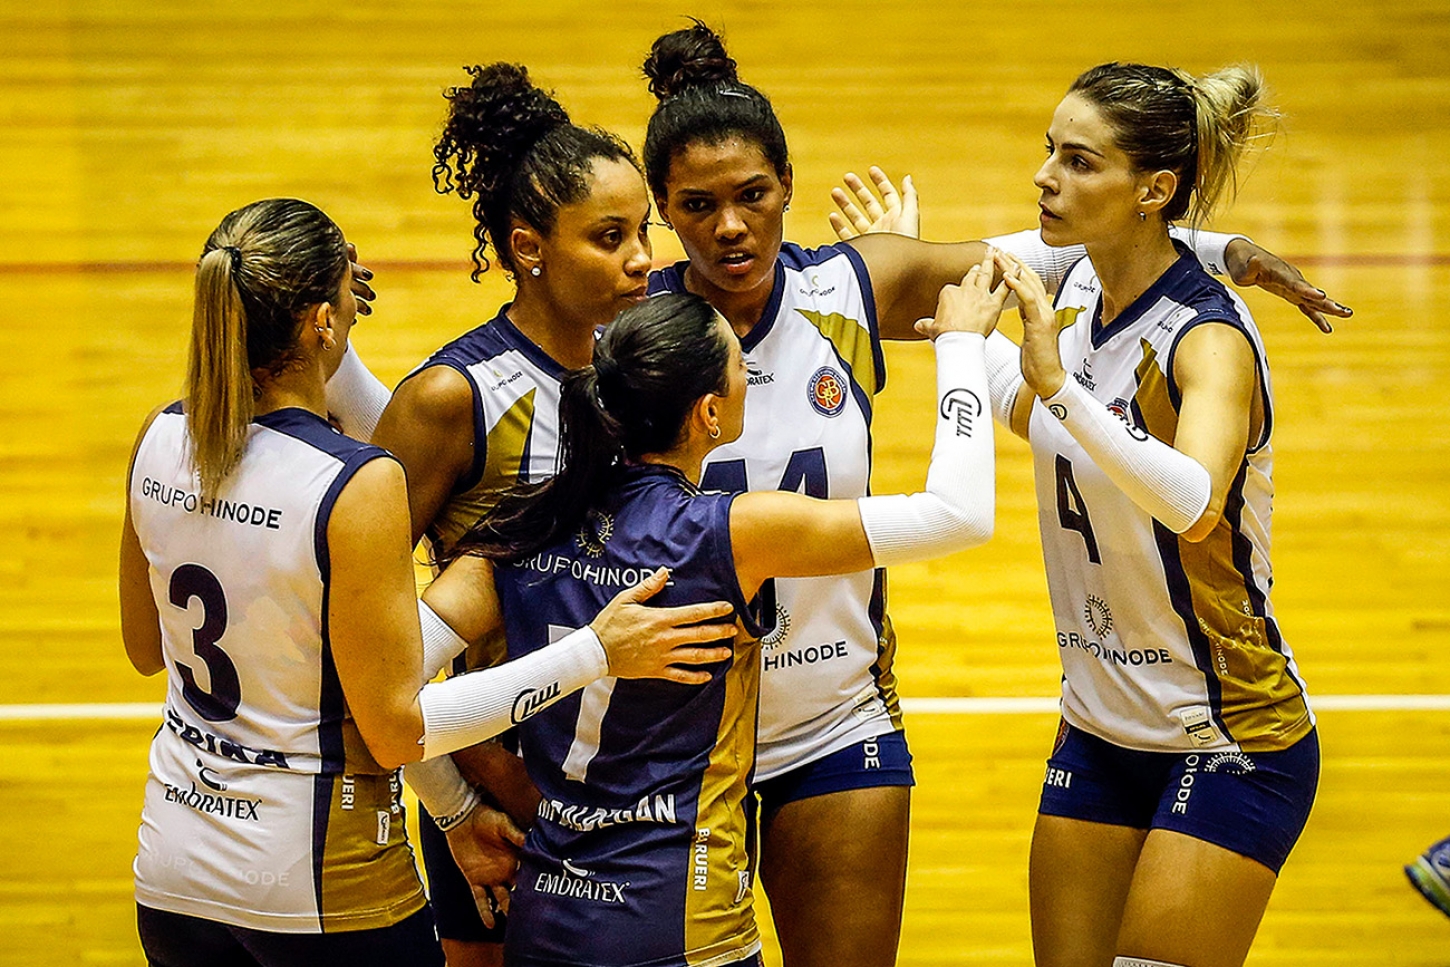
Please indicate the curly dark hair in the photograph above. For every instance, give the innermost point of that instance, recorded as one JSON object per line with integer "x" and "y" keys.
{"x": 511, "y": 147}
{"x": 703, "y": 100}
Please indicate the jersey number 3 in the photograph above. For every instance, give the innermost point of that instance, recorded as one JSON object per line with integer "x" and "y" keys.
{"x": 1071, "y": 511}
{"x": 220, "y": 704}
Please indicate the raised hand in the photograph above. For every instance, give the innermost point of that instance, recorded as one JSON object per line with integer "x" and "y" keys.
{"x": 972, "y": 305}
{"x": 645, "y": 642}
{"x": 1249, "y": 264}
{"x": 895, "y": 213}
{"x": 361, "y": 276}
{"x": 486, "y": 847}
{"x": 1041, "y": 362}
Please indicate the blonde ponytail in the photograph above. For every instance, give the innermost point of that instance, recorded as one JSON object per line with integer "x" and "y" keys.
{"x": 262, "y": 268}
{"x": 219, "y": 393}
{"x": 1229, "y": 110}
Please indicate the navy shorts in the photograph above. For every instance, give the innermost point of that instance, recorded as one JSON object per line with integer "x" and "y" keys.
{"x": 883, "y": 760}
{"x": 1253, "y": 803}
{"x": 178, "y": 940}
{"x": 449, "y": 893}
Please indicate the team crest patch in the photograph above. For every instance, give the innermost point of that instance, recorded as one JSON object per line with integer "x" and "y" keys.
{"x": 827, "y": 391}
{"x": 1099, "y": 616}
{"x": 598, "y": 528}
{"x": 782, "y": 628}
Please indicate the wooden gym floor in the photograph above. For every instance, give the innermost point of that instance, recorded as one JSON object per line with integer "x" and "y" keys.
{"x": 131, "y": 127}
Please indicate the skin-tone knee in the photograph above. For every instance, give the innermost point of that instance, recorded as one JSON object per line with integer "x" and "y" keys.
{"x": 813, "y": 874}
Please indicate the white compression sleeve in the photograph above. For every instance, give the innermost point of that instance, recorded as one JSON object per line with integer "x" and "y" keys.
{"x": 956, "y": 510}
{"x": 1172, "y": 486}
{"x": 356, "y": 397}
{"x": 1052, "y": 263}
{"x": 442, "y": 790}
{"x": 1004, "y": 376}
{"x": 466, "y": 709}
{"x": 441, "y": 644}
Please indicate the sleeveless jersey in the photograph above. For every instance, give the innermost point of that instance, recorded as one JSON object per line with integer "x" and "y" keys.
{"x": 263, "y": 807}
{"x": 1165, "y": 644}
{"x": 815, "y": 364}
{"x": 515, "y": 387}
{"x": 640, "y": 853}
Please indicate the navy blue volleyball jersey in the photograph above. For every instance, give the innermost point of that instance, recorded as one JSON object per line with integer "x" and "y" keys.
{"x": 639, "y": 855}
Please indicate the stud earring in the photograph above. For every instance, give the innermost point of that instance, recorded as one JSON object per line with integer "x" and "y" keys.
{"x": 787, "y": 206}
{"x": 1142, "y": 216}
{"x": 536, "y": 271}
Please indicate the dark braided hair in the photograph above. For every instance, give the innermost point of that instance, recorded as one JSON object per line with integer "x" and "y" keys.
{"x": 702, "y": 100}
{"x": 510, "y": 147}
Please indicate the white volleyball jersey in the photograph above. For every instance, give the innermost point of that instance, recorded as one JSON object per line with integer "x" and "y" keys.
{"x": 515, "y": 388}
{"x": 815, "y": 364}
{"x": 263, "y": 808}
{"x": 1165, "y": 644}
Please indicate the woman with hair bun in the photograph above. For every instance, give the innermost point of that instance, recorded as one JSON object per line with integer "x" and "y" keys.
{"x": 265, "y": 565}
{"x": 832, "y": 753}
{"x": 1187, "y": 759}
{"x": 641, "y": 852}
{"x": 563, "y": 210}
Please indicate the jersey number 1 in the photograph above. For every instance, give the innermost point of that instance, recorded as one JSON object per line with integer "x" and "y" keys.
{"x": 220, "y": 704}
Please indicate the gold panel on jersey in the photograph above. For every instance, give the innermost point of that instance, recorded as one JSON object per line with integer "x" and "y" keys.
{"x": 502, "y": 464}
{"x": 1260, "y": 702}
{"x": 720, "y": 890}
{"x": 369, "y": 876}
{"x": 852, "y": 342}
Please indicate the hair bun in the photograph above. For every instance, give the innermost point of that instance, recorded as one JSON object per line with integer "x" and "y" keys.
{"x": 687, "y": 58}
{"x": 491, "y": 124}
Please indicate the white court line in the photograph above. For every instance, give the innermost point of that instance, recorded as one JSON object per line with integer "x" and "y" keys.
{"x": 922, "y": 706}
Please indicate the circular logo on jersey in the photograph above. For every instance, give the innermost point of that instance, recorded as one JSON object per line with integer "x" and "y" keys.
{"x": 1058, "y": 410}
{"x": 1234, "y": 763}
{"x": 1099, "y": 617}
{"x": 774, "y": 636}
{"x": 598, "y": 528}
{"x": 827, "y": 391}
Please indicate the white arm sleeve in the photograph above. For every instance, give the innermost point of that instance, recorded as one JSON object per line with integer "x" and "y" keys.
{"x": 1050, "y": 263}
{"x": 1004, "y": 376}
{"x": 466, "y": 709}
{"x": 356, "y": 397}
{"x": 1170, "y": 485}
{"x": 956, "y": 510}
{"x": 441, "y": 644}
{"x": 1210, "y": 247}
{"x": 442, "y": 790}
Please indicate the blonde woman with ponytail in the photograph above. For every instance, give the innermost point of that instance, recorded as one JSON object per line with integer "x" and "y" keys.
{"x": 1187, "y": 759}
{"x": 265, "y": 564}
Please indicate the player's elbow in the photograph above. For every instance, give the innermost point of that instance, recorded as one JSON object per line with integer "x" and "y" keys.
{"x": 393, "y": 740}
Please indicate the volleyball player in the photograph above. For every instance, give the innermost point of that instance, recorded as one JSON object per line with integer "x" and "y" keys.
{"x": 641, "y": 851}
{"x": 1187, "y": 759}
{"x": 265, "y": 564}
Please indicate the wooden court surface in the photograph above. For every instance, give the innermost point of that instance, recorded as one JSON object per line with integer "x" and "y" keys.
{"x": 131, "y": 127}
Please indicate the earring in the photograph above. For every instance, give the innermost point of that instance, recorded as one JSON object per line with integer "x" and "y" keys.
{"x": 1142, "y": 216}
{"x": 787, "y": 206}
{"x": 715, "y": 432}
{"x": 328, "y": 343}
{"x": 536, "y": 271}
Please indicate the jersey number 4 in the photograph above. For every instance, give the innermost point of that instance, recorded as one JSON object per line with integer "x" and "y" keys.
{"x": 1071, "y": 511}
{"x": 220, "y": 704}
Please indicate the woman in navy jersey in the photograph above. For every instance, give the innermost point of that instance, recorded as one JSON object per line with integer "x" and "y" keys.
{"x": 265, "y": 565}
{"x": 1187, "y": 760}
{"x": 832, "y": 753}
{"x": 640, "y": 853}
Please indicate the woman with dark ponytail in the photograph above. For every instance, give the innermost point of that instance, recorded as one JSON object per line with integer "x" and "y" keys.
{"x": 265, "y": 565}
{"x": 563, "y": 210}
{"x": 641, "y": 851}
{"x": 832, "y": 752}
